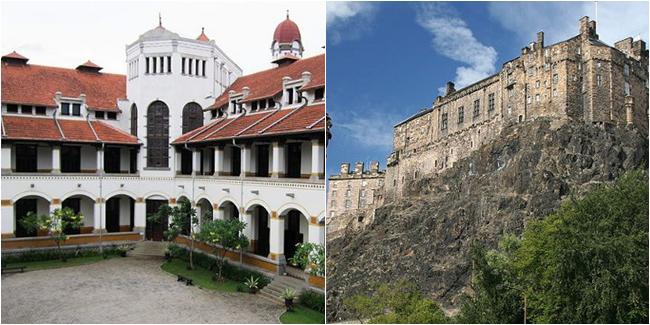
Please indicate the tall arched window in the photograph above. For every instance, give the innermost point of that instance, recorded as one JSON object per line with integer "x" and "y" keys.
{"x": 134, "y": 120}
{"x": 158, "y": 135}
{"x": 192, "y": 117}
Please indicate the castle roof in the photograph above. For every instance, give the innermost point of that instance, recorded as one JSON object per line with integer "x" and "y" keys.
{"x": 286, "y": 32}
{"x": 38, "y": 85}
{"x": 47, "y": 128}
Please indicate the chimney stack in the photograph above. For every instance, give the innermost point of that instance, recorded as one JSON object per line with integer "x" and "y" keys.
{"x": 540, "y": 40}
{"x": 450, "y": 88}
{"x": 374, "y": 167}
{"x": 345, "y": 168}
{"x": 358, "y": 168}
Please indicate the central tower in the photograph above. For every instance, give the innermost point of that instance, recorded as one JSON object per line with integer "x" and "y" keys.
{"x": 287, "y": 44}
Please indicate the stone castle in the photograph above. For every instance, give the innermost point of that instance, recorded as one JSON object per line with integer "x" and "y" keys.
{"x": 580, "y": 79}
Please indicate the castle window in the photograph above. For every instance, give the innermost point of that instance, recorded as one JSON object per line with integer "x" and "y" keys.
{"x": 348, "y": 204}
{"x": 509, "y": 109}
{"x": 599, "y": 80}
{"x": 348, "y": 192}
{"x": 537, "y": 84}
{"x": 529, "y": 99}
{"x": 578, "y": 50}
{"x": 99, "y": 115}
{"x": 362, "y": 204}
{"x": 65, "y": 108}
{"x": 461, "y": 114}
{"x": 362, "y": 193}
{"x": 555, "y": 79}
{"x": 579, "y": 65}
{"x": 627, "y": 89}
{"x": 511, "y": 92}
{"x": 444, "y": 121}
{"x": 319, "y": 93}
{"x": 183, "y": 65}
{"x": 547, "y": 52}
{"x": 554, "y": 92}
{"x": 26, "y": 109}
{"x": 12, "y": 108}
{"x": 626, "y": 69}
{"x": 40, "y": 110}
{"x": 491, "y": 102}
{"x": 477, "y": 108}
{"x": 333, "y": 192}
{"x": 598, "y": 64}
{"x": 521, "y": 118}
{"x": 537, "y": 98}
{"x": 333, "y": 204}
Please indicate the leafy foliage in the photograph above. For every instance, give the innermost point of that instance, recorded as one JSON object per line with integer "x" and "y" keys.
{"x": 55, "y": 224}
{"x": 585, "y": 263}
{"x": 48, "y": 254}
{"x": 312, "y": 300}
{"x": 224, "y": 233}
{"x": 398, "y": 303}
{"x": 310, "y": 257}
{"x": 182, "y": 220}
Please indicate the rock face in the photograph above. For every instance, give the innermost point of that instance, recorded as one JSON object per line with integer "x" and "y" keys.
{"x": 425, "y": 236}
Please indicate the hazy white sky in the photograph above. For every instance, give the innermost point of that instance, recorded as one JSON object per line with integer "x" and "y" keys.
{"x": 68, "y": 33}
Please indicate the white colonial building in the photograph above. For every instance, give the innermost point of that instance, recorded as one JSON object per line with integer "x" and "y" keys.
{"x": 182, "y": 124}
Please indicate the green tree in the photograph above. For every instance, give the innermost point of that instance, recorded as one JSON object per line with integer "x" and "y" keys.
{"x": 588, "y": 262}
{"x": 398, "y": 303}
{"x": 179, "y": 216}
{"x": 226, "y": 235}
{"x": 55, "y": 224}
{"x": 310, "y": 257}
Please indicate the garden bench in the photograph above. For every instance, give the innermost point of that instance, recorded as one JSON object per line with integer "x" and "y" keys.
{"x": 188, "y": 281}
{"x": 13, "y": 269}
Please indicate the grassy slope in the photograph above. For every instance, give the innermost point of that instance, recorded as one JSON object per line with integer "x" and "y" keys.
{"x": 200, "y": 276}
{"x": 302, "y": 315}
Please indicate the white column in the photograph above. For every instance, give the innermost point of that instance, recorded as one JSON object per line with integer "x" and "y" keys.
{"x": 246, "y": 160}
{"x": 100, "y": 160}
{"x": 278, "y": 160}
{"x": 276, "y": 236}
{"x": 8, "y": 218}
{"x": 6, "y": 158}
{"x": 196, "y": 161}
{"x": 218, "y": 161}
{"x": 99, "y": 219}
{"x": 140, "y": 218}
{"x": 316, "y": 231}
{"x": 317, "y": 159}
{"x": 56, "y": 159}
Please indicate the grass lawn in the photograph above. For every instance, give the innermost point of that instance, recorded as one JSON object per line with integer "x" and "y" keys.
{"x": 302, "y": 315}
{"x": 200, "y": 276}
{"x": 53, "y": 264}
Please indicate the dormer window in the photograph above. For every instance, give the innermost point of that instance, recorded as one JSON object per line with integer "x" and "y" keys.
{"x": 262, "y": 104}
{"x": 290, "y": 96}
{"x": 12, "y": 108}
{"x": 213, "y": 114}
{"x": 99, "y": 115}
{"x": 319, "y": 93}
{"x": 254, "y": 105}
{"x": 233, "y": 104}
{"x": 111, "y": 115}
{"x": 40, "y": 110}
{"x": 26, "y": 109}
{"x": 71, "y": 109}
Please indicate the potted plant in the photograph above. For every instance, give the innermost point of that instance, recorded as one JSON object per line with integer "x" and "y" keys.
{"x": 252, "y": 284}
{"x": 288, "y": 295}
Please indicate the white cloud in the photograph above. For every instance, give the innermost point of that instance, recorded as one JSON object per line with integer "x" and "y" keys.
{"x": 453, "y": 39}
{"x": 373, "y": 130}
{"x": 560, "y": 20}
{"x": 348, "y": 20}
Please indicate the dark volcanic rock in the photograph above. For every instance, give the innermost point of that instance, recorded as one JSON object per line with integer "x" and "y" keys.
{"x": 425, "y": 236}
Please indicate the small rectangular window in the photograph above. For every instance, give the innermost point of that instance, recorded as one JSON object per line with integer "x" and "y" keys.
{"x": 599, "y": 80}
{"x": 627, "y": 89}
{"x": 26, "y": 109}
{"x": 203, "y": 70}
{"x": 555, "y": 79}
{"x": 290, "y": 96}
{"x": 40, "y": 110}
{"x": 189, "y": 66}
{"x": 213, "y": 113}
{"x": 262, "y": 104}
{"x": 271, "y": 103}
{"x": 162, "y": 63}
{"x": 444, "y": 121}
{"x": 254, "y": 105}
{"x": 537, "y": 98}
{"x": 626, "y": 69}
{"x": 146, "y": 68}
{"x": 169, "y": 64}
{"x": 183, "y": 65}
{"x": 154, "y": 64}
{"x": 461, "y": 114}
{"x": 319, "y": 93}
{"x": 196, "y": 71}
{"x": 111, "y": 115}
{"x": 99, "y": 115}
{"x": 65, "y": 108}
{"x": 477, "y": 108}
{"x": 491, "y": 102}
{"x": 76, "y": 109}
{"x": 12, "y": 108}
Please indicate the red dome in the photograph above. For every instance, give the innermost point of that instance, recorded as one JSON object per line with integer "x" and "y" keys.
{"x": 286, "y": 32}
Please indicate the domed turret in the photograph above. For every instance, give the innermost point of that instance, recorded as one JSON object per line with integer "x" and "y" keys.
{"x": 287, "y": 44}
{"x": 203, "y": 37}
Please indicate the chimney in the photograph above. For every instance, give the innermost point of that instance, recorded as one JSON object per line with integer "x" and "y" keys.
{"x": 345, "y": 168}
{"x": 450, "y": 88}
{"x": 584, "y": 26}
{"x": 358, "y": 168}
{"x": 638, "y": 48}
{"x": 540, "y": 40}
{"x": 374, "y": 167}
{"x": 592, "y": 29}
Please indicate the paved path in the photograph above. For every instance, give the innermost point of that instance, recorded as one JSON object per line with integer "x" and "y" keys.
{"x": 123, "y": 290}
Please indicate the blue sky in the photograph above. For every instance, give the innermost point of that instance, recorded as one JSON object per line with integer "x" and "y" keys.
{"x": 388, "y": 60}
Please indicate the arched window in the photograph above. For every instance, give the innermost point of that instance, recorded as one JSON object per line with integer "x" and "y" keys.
{"x": 134, "y": 120}
{"x": 192, "y": 117}
{"x": 158, "y": 135}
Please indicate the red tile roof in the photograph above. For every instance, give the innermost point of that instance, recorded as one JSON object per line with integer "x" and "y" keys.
{"x": 15, "y": 55}
{"x": 286, "y": 32}
{"x": 297, "y": 120}
{"x": 37, "y": 85}
{"x": 203, "y": 37}
{"x": 268, "y": 83}
{"x": 65, "y": 130}
{"x": 89, "y": 65}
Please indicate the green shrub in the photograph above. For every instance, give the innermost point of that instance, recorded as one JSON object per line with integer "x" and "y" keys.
{"x": 312, "y": 300}
{"x": 229, "y": 271}
{"x": 51, "y": 254}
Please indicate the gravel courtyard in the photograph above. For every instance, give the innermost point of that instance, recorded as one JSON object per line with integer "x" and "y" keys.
{"x": 123, "y": 290}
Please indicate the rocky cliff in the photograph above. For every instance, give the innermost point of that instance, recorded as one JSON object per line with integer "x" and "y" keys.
{"x": 426, "y": 235}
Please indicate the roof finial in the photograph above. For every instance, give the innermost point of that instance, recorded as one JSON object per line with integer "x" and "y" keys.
{"x": 159, "y": 19}
{"x": 287, "y": 13}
